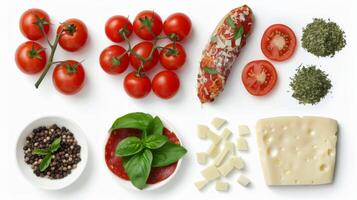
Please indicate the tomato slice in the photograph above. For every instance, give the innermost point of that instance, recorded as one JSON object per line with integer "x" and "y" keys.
{"x": 278, "y": 42}
{"x": 259, "y": 77}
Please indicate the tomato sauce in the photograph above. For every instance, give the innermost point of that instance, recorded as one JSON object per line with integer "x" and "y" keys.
{"x": 115, "y": 164}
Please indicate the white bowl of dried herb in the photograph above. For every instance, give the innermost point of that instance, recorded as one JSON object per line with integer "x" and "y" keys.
{"x": 52, "y": 152}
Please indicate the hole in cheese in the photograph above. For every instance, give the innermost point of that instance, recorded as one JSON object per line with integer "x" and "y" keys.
{"x": 323, "y": 167}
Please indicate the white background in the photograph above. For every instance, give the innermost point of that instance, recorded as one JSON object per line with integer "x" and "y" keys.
{"x": 103, "y": 99}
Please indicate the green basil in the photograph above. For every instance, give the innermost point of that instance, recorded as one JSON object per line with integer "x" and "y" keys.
{"x": 230, "y": 22}
{"x": 135, "y": 120}
{"x": 45, "y": 163}
{"x": 129, "y": 146}
{"x": 167, "y": 154}
{"x": 155, "y": 126}
{"x": 138, "y": 168}
{"x": 210, "y": 70}
{"x": 55, "y": 145}
{"x": 40, "y": 152}
{"x": 155, "y": 141}
{"x": 238, "y": 33}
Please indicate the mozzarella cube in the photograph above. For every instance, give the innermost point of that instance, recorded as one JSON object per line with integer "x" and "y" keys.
{"x": 202, "y": 131}
{"x": 225, "y": 168}
{"x": 218, "y": 122}
{"x": 230, "y": 146}
{"x": 242, "y": 144}
{"x": 201, "y": 184}
{"x": 210, "y": 173}
{"x": 238, "y": 163}
{"x": 214, "y": 137}
{"x": 226, "y": 134}
{"x": 202, "y": 158}
{"x": 221, "y": 156}
{"x": 213, "y": 150}
{"x": 222, "y": 186}
{"x": 243, "y": 130}
{"x": 243, "y": 180}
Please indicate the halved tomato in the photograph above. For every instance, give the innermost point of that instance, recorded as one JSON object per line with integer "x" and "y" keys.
{"x": 278, "y": 42}
{"x": 259, "y": 77}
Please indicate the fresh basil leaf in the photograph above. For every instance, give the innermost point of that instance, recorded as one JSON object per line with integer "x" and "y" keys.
{"x": 155, "y": 141}
{"x": 210, "y": 70}
{"x": 45, "y": 163}
{"x": 155, "y": 126}
{"x": 138, "y": 168}
{"x": 230, "y": 22}
{"x": 55, "y": 145}
{"x": 135, "y": 120}
{"x": 238, "y": 33}
{"x": 40, "y": 152}
{"x": 129, "y": 146}
{"x": 167, "y": 154}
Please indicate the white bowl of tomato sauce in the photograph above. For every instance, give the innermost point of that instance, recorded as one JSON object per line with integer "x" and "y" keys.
{"x": 159, "y": 176}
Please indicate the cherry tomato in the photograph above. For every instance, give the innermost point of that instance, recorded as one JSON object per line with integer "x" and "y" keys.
{"x": 143, "y": 50}
{"x": 74, "y": 34}
{"x": 29, "y": 23}
{"x": 278, "y": 42}
{"x": 259, "y": 77}
{"x": 116, "y": 24}
{"x": 177, "y": 26}
{"x": 147, "y": 25}
{"x": 114, "y": 59}
{"x": 173, "y": 56}
{"x": 137, "y": 86}
{"x": 165, "y": 84}
{"x": 68, "y": 77}
{"x": 30, "y": 57}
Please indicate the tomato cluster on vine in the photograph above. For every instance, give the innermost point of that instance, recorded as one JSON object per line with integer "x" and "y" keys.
{"x": 145, "y": 55}
{"x": 31, "y": 58}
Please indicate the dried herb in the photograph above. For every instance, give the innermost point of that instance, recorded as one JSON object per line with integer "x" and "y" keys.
{"x": 323, "y": 38}
{"x": 310, "y": 85}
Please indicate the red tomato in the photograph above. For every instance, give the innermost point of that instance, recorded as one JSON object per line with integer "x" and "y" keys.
{"x": 30, "y": 57}
{"x": 147, "y": 25}
{"x": 68, "y": 77}
{"x": 29, "y": 21}
{"x": 114, "y": 59}
{"x": 173, "y": 56}
{"x": 74, "y": 34}
{"x": 259, "y": 77}
{"x": 165, "y": 84}
{"x": 116, "y": 24}
{"x": 143, "y": 50}
{"x": 177, "y": 26}
{"x": 137, "y": 86}
{"x": 278, "y": 42}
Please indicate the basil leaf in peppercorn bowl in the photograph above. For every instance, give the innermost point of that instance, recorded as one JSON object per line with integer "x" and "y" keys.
{"x": 155, "y": 141}
{"x": 155, "y": 126}
{"x": 55, "y": 145}
{"x": 40, "y": 152}
{"x": 129, "y": 146}
{"x": 167, "y": 154}
{"x": 135, "y": 120}
{"x": 45, "y": 163}
{"x": 138, "y": 168}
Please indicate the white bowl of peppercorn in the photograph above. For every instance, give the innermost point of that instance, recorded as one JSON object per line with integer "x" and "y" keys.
{"x": 52, "y": 152}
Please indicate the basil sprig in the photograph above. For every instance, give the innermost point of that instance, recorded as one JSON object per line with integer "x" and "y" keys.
{"x": 46, "y": 161}
{"x": 152, "y": 149}
{"x": 238, "y": 31}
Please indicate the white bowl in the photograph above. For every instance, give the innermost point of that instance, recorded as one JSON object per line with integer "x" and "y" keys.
{"x": 46, "y": 183}
{"x": 128, "y": 185}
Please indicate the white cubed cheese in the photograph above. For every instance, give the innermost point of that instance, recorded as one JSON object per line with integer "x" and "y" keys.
{"x": 210, "y": 173}
{"x": 297, "y": 150}
{"x": 202, "y": 131}
{"x": 202, "y": 158}
{"x": 238, "y": 163}
{"x": 222, "y": 186}
{"x": 242, "y": 144}
{"x": 243, "y": 130}
{"x": 225, "y": 168}
{"x": 201, "y": 184}
{"x": 243, "y": 180}
{"x": 230, "y": 146}
{"x": 218, "y": 122}
{"x": 216, "y": 139}
{"x": 221, "y": 156}
{"x": 213, "y": 150}
{"x": 226, "y": 133}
